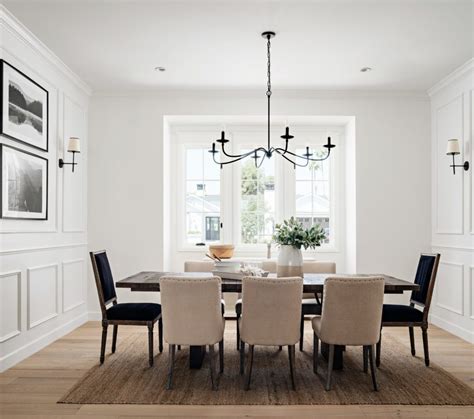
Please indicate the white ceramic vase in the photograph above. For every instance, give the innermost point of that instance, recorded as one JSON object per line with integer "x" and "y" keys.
{"x": 289, "y": 262}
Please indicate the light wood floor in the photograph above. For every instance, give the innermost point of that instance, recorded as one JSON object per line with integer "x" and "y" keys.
{"x": 32, "y": 387}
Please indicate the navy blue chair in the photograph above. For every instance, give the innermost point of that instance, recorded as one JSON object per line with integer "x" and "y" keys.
{"x": 138, "y": 314}
{"x": 396, "y": 315}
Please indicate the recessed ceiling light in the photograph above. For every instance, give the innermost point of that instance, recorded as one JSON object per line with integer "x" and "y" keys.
{"x": 160, "y": 69}
{"x": 365, "y": 69}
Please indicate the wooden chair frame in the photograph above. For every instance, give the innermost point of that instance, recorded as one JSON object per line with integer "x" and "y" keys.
{"x": 115, "y": 323}
{"x": 423, "y": 324}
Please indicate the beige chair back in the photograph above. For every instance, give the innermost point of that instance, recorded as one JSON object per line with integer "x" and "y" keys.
{"x": 198, "y": 266}
{"x": 269, "y": 266}
{"x": 271, "y": 310}
{"x": 317, "y": 267}
{"x": 191, "y": 310}
{"x": 352, "y": 310}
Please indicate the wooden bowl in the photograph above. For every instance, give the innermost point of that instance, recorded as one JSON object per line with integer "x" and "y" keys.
{"x": 223, "y": 251}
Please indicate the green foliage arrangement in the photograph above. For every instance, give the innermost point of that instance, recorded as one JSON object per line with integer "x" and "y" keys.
{"x": 292, "y": 233}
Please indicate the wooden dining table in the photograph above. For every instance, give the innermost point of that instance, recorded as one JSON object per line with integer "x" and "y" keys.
{"x": 312, "y": 283}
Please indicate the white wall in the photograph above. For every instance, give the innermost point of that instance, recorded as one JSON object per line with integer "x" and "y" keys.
{"x": 129, "y": 174}
{"x": 452, "y": 107}
{"x": 43, "y": 264}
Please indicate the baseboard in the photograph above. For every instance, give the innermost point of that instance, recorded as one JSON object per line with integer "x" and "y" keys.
{"x": 456, "y": 330}
{"x": 36, "y": 345}
{"x": 94, "y": 316}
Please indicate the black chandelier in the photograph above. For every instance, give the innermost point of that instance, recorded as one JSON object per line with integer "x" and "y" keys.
{"x": 260, "y": 153}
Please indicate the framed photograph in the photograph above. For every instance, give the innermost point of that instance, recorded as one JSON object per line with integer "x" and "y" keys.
{"x": 24, "y": 184}
{"x": 24, "y": 108}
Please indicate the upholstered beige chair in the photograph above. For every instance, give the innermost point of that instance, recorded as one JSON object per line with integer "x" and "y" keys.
{"x": 191, "y": 311}
{"x": 351, "y": 316}
{"x": 311, "y": 302}
{"x": 198, "y": 266}
{"x": 270, "y": 321}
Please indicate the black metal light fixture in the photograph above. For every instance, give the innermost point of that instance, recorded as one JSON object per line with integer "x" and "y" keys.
{"x": 453, "y": 150}
{"x": 74, "y": 146}
{"x": 259, "y": 154}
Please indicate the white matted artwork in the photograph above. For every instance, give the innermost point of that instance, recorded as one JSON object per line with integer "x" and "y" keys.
{"x": 24, "y": 185}
{"x": 24, "y": 108}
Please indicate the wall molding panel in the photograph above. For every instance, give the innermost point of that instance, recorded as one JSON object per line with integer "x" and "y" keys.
{"x": 73, "y": 286}
{"x": 452, "y": 115}
{"x": 42, "y": 294}
{"x": 10, "y": 305}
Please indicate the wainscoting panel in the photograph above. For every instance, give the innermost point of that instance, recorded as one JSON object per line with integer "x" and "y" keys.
{"x": 10, "y": 305}
{"x": 471, "y": 289}
{"x": 42, "y": 294}
{"x": 74, "y": 183}
{"x": 450, "y": 196}
{"x": 73, "y": 284}
{"x": 450, "y": 286}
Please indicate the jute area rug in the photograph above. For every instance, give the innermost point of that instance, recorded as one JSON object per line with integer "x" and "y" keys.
{"x": 126, "y": 378}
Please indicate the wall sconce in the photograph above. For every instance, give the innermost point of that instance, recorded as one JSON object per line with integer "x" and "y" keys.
{"x": 452, "y": 150}
{"x": 74, "y": 146}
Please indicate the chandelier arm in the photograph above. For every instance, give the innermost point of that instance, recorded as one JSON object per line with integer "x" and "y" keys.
{"x": 291, "y": 161}
{"x": 235, "y": 155}
{"x": 261, "y": 162}
{"x": 301, "y": 157}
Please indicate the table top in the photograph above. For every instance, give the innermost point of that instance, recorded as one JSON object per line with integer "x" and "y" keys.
{"x": 149, "y": 281}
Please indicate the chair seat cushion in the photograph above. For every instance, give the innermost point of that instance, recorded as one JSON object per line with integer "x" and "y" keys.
{"x": 316, "y": 323}
{"x": 238, "y": 306}
{"x": 395, "y": 313}
{"x": 134, "y": 311}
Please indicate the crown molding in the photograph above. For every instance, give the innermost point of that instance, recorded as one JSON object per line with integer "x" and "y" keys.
{"x": 250, "y": 93}
{"x": 12, "y": 24}
{"x": 456, "y": 74}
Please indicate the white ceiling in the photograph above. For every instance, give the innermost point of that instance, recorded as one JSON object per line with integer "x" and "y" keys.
{"x": 114, "y": 45}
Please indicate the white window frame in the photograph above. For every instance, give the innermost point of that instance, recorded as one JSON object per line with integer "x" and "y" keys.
{"x": 198, "y": 136}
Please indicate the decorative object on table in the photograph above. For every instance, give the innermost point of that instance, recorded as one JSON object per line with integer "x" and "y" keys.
{"x": 259, "y": 154}
{"x": 74, "y": 146}
{"x": 453, "y": 149}
{"x": 24, "y": 108}
{"x": 269, "y": 250}
{"x": 221, "y": 251}
{"x": 227, "y": 265}
{"x": 24, "y": 185}
{"x": 291, "y": 236}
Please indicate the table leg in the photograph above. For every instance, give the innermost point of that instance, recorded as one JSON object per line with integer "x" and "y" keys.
{"x": 338, "y": 355}
{"x": 196, "y": 356}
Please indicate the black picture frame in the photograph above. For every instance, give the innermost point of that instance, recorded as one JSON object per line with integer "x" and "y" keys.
{"x": 4, "y": 63}
{"x": 3, "y": 184}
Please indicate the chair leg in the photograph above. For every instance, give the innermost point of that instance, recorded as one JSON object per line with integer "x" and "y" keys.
{"x": 221, "y": 356}
{"x": 378, "y": 350}
{"x": 291, "y": 356}
{"x": 249, "y": 374}
{"x": 179, "y": 347}
{"x": 315, "y": 352}
{"x": 412, "y": 340}
{"x": 114, "y": 338}
{"x": 238, "y": 331}
{"x": 160, "y": 335}
{"x": 370, "y": 349}
{"x": 211, "y": 367}
{"x": 424, "y": 332}
{"x": 105, "y": 325}
{"x": 330, "y": 365}
{"x": 150, "y": 344}
{"x": 280, "y": 348}
{"x": 172, "y": 349}
{"x": 242, "y": 357}
{"x": 366, "y": 360}
{"x": 301, "y": 332}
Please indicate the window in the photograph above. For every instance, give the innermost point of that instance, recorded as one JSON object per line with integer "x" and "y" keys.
{"x": 257, "y": 201}
{"x": 313, "y": 193}
{"x": 203, "y": 197}
{"x": 241, "y": 203}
